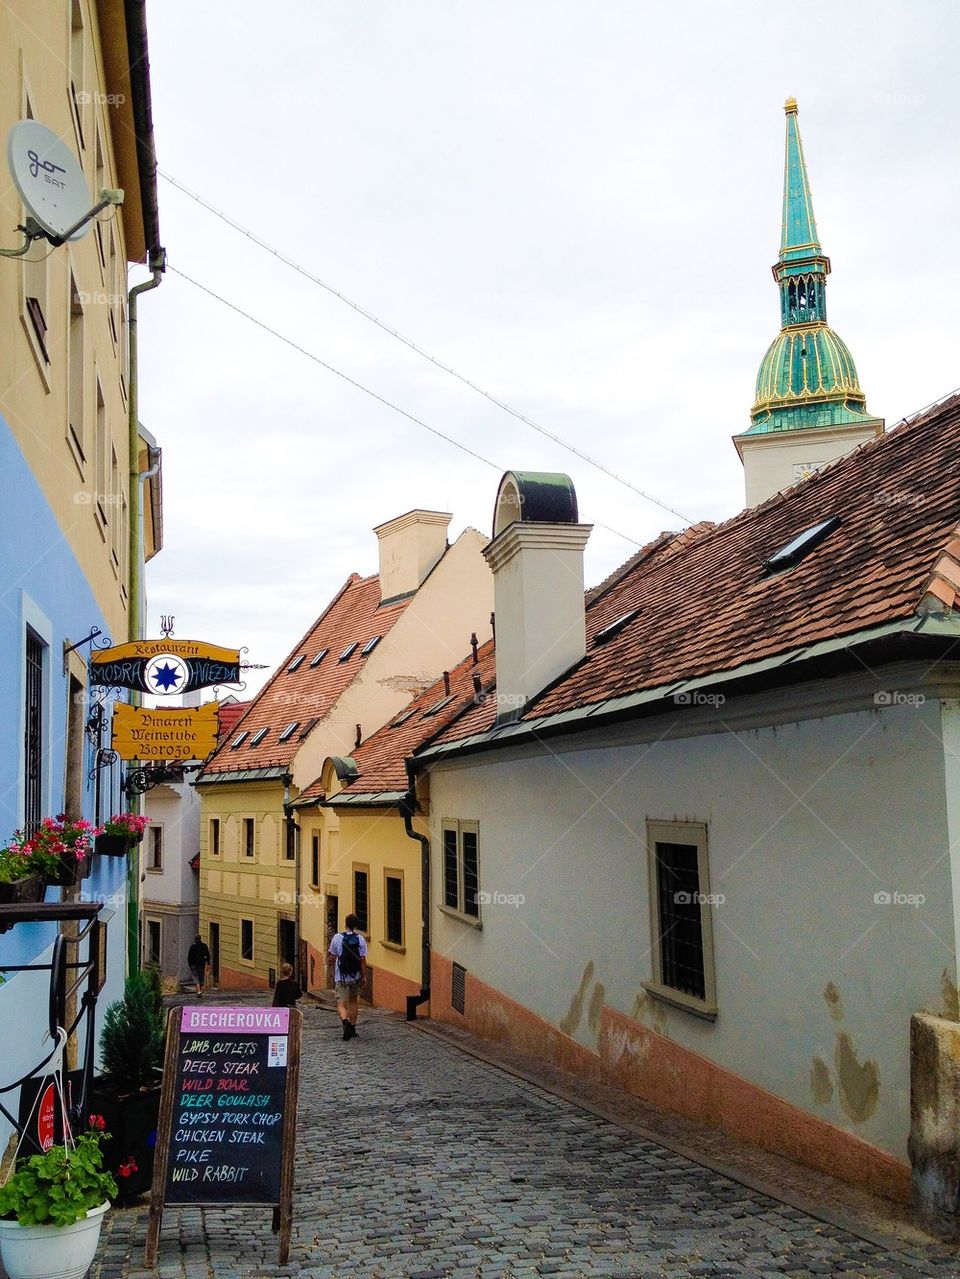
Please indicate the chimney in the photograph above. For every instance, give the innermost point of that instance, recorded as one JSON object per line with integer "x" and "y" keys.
{"x": 537, "y": 560}
{"x": 410, "y": 546}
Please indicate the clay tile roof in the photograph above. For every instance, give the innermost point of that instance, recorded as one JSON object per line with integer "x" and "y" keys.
{"x": 228, "y": 715}
{"x": 305, "y": 694}
{"x": 380, "y": 759}
{"x": 706, "y": 602}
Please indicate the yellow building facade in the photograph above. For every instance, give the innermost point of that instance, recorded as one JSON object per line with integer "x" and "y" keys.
{"x": 380, "y": 641}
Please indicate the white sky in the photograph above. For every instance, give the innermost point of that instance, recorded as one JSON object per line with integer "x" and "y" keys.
{"x": 576, "y": 203}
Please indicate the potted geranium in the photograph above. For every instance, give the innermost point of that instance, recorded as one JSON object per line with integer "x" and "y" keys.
{"x": 60, "y": 849}
{"x": 19, "y": 880}
{"x": 52, "y": 1207}
{"x": 120, "y": 833}
{"x": 128, "y": 1093}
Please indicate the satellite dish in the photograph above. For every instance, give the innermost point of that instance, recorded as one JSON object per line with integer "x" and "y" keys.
{"x": 49, "y": 179}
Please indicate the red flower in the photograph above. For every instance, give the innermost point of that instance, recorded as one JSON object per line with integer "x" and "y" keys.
{"x": 98, "y": 1122}
{"x": 128, "y": 1167}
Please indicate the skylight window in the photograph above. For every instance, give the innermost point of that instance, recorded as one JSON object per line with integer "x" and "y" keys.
{"x": 402, "y": 719}
{"x": 289, "y": 731}
{"x": 616, "y": 627}
{"x": 296, "y": 664}
{"x": 370, "y": 645}
{"x": 309, "y": 726}
{"x": 319, "y": 658}
{"x": 348, "y": 651}
{"x": 438, "y": 706}
{"x": 258, "y": 736}
{"x": 239, "y": 739}
{"x": 801, "y": 546}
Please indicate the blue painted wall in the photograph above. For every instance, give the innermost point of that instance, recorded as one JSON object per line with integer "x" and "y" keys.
{"x": 40, "y": 576}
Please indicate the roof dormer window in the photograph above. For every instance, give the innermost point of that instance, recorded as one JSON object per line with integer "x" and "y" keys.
{"x": 319, "y": 658}
{"x": 239, "y": 739}
{"x": 289, "y": 731}
{"x": 348, "y": 651}
{"x": 801, "y": 546}
{"x": 296, "y": 664}
{"x": 258, "y": 736}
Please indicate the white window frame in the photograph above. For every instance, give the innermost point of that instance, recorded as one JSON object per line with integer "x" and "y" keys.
{"x": 153, "y": 919}
{"x": 154, "y": 870}
{"x": 459, "y": 827}
{"x": 695, "y": 835}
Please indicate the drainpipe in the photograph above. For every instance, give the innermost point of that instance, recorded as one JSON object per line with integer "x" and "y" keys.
{"x": 293, "y": 829}
{"x": 408, "y": 806}
{"x": 135, "y": 584}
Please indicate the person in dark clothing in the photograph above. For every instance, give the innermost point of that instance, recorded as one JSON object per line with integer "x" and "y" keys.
{"x": 198, "y": 958}
{"x": 287, "y": 991}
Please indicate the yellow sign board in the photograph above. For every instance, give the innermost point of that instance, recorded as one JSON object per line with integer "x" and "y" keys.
{"x": 165, "y": 733}
{"x": 147, "y": 648}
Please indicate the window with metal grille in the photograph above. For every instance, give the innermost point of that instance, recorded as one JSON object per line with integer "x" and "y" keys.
{"x": 394, "y": 909}
{"x": 678, "y": 900}
{"x": 451, "y": 871}
{"x": 361, "y": 898}
{"x": 33, "y": 733}
{"x": 249, "y": 835}
{"x": 681, "y": 914}
{"x": 461, "y": 868}
{"x": 246, "y": 940}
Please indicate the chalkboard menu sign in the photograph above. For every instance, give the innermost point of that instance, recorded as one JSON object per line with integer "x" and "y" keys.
{"x": 228, "y": 1112}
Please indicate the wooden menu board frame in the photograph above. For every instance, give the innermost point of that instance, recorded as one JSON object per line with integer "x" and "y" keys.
{"x": 283, "y": 1209}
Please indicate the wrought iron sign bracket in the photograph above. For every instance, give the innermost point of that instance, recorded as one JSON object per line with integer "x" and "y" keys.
{"x": 88, "y": 639}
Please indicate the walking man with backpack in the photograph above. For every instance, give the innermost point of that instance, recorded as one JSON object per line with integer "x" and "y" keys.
{"x": 348, "y": 955}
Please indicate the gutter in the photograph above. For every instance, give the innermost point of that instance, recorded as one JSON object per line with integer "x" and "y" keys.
{"x": 138, "y": 62}
{"x": 633, "y": 705}
{"x": 408, "y": 806}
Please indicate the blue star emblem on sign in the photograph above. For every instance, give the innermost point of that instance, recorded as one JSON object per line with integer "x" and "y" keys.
{"x": 166, "y": 674}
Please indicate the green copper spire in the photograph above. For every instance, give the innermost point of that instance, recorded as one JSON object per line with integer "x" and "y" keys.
{"x": 799, "y": 230}
{"x": 808, "y": 377}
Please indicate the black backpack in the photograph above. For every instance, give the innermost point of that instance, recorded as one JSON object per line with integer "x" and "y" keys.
{"x": 350, "y": 967}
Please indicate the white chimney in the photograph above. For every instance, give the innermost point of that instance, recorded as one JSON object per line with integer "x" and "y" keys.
{"x": 410, "y": 546}
{"x": 537, "y": 560}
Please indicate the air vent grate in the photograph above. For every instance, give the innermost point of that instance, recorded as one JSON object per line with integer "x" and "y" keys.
{"x": 458, "y": 993}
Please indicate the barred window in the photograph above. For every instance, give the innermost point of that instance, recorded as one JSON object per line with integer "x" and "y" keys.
{"x": 461, "y": 867}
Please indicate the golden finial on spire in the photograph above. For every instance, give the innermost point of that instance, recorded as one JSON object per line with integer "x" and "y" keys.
{"x": 790, "y": 106}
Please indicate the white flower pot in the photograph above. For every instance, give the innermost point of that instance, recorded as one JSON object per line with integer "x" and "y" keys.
{"x": 51, "y": 1252}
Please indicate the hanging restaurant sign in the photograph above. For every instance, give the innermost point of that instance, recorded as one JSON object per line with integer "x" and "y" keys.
{"x": 169, "y": 733}
{"x": 164, "y": 666}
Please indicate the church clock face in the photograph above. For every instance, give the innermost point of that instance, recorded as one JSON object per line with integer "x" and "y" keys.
{"x": 803, "y": 470}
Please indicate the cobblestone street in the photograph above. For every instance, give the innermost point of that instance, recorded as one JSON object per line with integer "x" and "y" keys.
{"x": 415, "y": 1159}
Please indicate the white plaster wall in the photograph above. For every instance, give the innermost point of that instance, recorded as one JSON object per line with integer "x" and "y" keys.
{"x": 806, "y": 822}
{"x": 176, "y": 808}
{"x": 432, "y": 635}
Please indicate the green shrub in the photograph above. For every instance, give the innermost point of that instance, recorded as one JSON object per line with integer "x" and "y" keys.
{"x": 131, "y": 1042}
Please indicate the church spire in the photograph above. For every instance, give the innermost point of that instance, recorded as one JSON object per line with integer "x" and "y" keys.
{"x": 802, "y": 268}
{"x": 799, "y": 229}
{"x": 809, "y": 408}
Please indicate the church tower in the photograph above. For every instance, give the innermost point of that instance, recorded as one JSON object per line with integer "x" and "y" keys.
{"x": 809, "y": 409}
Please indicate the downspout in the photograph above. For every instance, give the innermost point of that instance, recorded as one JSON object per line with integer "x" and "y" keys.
{"x": 293, "y": 830}
{"x": 135, "y": 585}
{"x": 408, "y": 806}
